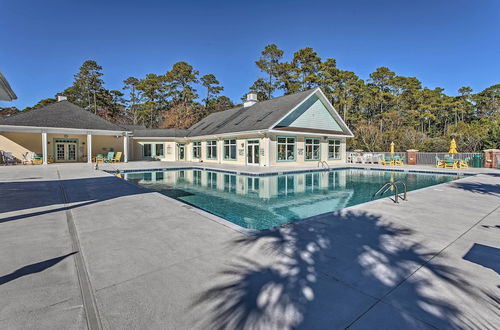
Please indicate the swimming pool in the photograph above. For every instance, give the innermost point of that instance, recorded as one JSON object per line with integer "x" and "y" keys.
{"x": 264, "y": 202}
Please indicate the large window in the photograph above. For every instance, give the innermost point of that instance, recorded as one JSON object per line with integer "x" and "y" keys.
{"x": 159, "y": 150}
{"x": 312, "y": 149}
{"x": 150, "y": 150}
{"x": 286, "y": 148}
{"x": 334, "y": 149}
{"x": 212, "y": 149}
{"x": 197, "y": 149}
{"x": 146, "y": 150}
{"x": 230, "y": 149}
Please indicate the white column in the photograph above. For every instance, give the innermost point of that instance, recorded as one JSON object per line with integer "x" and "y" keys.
{"x": 89, "y": 148}
{"x": 268, "y": 156}
{"x": 44, "y": 148}
{"x": 125, "y": 148}
{"x": 220, "y": 150}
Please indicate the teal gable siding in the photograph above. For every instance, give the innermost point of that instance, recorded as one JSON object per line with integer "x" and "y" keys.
{"x": 312, "y": 114}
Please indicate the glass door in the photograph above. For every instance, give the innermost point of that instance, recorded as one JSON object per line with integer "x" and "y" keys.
{"x": 253, "y": 152}
{"x": 71, "y": 154}
{"x": 65, "y": 150}
{"x": 60, "y": 152}
{"x": 182, "y": 151}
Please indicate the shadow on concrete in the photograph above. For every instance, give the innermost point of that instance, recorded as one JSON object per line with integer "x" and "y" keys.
{"x": 33, "y": 268}
{"x": 480, "y": 188}
{"x": 20, "y": 196}
{"x": 320, "y": 271}
{"x": 486, "y": 256}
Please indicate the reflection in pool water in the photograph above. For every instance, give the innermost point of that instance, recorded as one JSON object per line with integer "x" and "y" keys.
{"x": 269, "y": 201}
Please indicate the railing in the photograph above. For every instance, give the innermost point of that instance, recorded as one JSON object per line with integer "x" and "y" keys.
{"x": 323, "y": 164}
{"x": 372, "y": 157}
{"x": 423, "y": 158}
{"x": 394, "y": 185}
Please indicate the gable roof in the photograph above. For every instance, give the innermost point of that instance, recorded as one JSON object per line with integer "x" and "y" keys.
{"x": 62, "y": 114}
{"x": 261, "y": 115}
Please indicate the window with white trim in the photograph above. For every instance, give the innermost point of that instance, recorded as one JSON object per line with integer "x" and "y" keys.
{"x": 197, "y": 149}
{"x": 230, "y": 149}
{"x": 212, "y": 149}
{"x": 286, "y": 148}
{"x": 334, "y": 149}
{"x": 312, "y": 147}
{"x": 153, "y": 150}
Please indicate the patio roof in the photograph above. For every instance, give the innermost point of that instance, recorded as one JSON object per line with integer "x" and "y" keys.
{"x": 62, "y": 114}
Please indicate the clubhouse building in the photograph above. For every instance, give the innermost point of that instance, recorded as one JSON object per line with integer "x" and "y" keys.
{"x": 295, "y": 129}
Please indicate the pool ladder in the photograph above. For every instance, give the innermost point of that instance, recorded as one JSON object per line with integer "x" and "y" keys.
{"x": 387, "y": 186}
{"x": 323, "y": 164}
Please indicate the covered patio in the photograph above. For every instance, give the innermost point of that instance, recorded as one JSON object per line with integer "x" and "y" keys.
{"x": 61, "y": 132}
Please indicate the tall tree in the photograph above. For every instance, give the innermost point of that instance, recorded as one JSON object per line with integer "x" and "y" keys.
{"x": 133, "y": 99}
{"x": 180, "y": 82}
{"x": 87, "y": 89}
{"x": 269, "y": 62}
{"x": 213, "y": 87}
{"x": 306, "y": 63}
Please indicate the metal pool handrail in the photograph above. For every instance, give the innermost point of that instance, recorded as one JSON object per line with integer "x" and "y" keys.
{"x": 324, "y": 164}
{"x": 388, "y": 185}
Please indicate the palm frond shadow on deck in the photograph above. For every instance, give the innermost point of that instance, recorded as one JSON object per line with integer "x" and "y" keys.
{"x": 294, "y": 291}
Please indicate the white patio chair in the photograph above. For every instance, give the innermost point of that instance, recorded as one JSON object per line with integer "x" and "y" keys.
{"x": 368, "y": 158}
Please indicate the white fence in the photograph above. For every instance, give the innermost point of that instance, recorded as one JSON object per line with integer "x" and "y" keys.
{"x": 423, "y": 158}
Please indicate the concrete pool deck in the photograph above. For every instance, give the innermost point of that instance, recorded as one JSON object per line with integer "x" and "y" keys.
{"x": 150, "y": 263}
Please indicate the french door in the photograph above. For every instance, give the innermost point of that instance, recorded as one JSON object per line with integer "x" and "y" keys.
{"x": 253, "y": 150}
{"x": 65, "y": 151}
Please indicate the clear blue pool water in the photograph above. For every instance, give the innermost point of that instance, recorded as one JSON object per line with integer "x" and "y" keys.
{"x": 269, "y": 201}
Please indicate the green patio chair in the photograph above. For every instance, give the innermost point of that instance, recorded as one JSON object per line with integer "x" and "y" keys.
{"x": 109, "y": 157}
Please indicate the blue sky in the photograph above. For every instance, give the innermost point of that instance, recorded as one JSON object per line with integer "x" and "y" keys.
{"x": 445, "y": 43}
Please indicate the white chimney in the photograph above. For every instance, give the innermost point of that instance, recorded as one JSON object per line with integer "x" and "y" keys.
{"x": 251, "y": 100}
{"x": 61, "y": 98}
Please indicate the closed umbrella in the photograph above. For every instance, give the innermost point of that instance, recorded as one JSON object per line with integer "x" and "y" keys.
{"x": 453, "y": 147}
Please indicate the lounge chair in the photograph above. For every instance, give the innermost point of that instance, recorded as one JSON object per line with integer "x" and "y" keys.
{"x": 117, "y": 157}
{"x": 398, "y": 161}
{"x": 98, "y": 158}
{"x": 464, "y": 163}
{"x": 449, "y": 163}
{"x": 37, "y": 159}
{"x": 109, "y": 157}
{"x": 439, "y": 162}
{"x": 28, "y": 158}
{"x": 387, "y": 161}
{"x": 7, "y": 158}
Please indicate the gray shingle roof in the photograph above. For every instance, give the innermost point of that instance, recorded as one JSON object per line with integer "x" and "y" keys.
{"x": 63, "y": 114}
{"x": 160, "y": 132}
{"x": 261, "y": 115}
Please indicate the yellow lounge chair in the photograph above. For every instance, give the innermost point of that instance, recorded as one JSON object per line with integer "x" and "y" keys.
{"x": 439, "y": 162}
{"x": 387, "y": 161}
{"x": 117, "y": 157}
{"x": 464, "y": 163}
{"x": 398, "y": 161}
